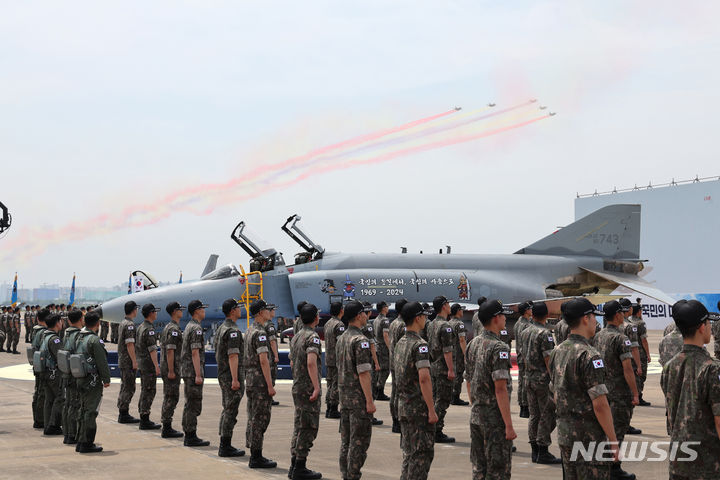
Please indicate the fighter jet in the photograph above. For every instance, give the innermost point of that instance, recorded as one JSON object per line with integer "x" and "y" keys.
{"x": 5, "y": 218}
{"x": 542, "y": 107}
{"x": 552, "y": 114}
{"x": 594, "y": 255}
{"x": 457, "y": 109}
{"x": 491, "y": 104}
{"x": 533, "y": 100}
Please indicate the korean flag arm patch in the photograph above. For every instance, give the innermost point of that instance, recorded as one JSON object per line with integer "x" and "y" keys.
{"x": 551, "y": 339}
{"x": 628, "y": 343}
{"x": 504, "y": 355}
{"x": 423, "y": 349}
{"x": 342, "y": 329}
{"x": 199, "y": 332}
{"x": 365, "y": 345}
{"x": 151, "y": 332}
{"x": 316, "y": 340}
{"x": 131, "y": 327}
{"x": 174, "y": 334}
{"x": 598, "y": 363}
{"x": 57, "y": 340}
{"x": 262, "y": 338}
{"x": 233, "y": 334}
{"x": 503, "y": 332}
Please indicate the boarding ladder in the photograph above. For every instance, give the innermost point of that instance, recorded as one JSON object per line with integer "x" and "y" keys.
{"x": 253, "y": 282}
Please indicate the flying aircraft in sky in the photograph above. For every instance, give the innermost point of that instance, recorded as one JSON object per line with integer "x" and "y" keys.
{"x": 457, "y": 109}
{"x": 491, "y": 105}
{"x": 593, "y": 255}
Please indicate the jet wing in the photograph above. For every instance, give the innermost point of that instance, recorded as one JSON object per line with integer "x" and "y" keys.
{"x": 635, "y": 283}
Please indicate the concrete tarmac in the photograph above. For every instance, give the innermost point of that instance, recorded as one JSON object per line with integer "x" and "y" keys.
{"x": 131, "y": 453}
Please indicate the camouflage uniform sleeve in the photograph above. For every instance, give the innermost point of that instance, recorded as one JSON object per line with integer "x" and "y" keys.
{"x": 196, "y": 339}
{"x": 363, "y": 356}
{"x": 547, "y": 343}
{"x": 446, "y": 338}
{"x": 313, "y": 344}
{"x": 339, "y": 329}
{"x": 129, "y": 333}
{"x": 150, "y": 342}
{"x": 469, "y": 361}
{"x": 421, "y": 356}
{"x": 712, "y": 384}
{"x": 174, "y": 339}
{"x": 371, "y": 334}
{"x": 461, "y": 332}
{"x": 622, "y": 349}
{"x": 260, "y": 342}
{"x": 234, "y": 342}
{"x": 271, "y": 332}
{"x": 593, "y": 374}
{"x": 632, "y": 333}
{"x": 500, "y": 362}
{"x": 54, "y": 345}
{"x": 642, "y": 330}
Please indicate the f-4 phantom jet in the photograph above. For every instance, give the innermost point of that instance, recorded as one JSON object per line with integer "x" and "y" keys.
{"x": 594, "y": 255}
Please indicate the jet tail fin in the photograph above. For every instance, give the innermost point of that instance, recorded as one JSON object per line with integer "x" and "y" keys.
{"x": 210, "y": 265}
{"x": 611, "y": 232}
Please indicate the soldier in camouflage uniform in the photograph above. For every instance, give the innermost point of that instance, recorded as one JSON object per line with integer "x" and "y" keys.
{"x": 72, "y": 398}
{"x": 537, "y": 351}
{"x": 258, "y": 383}
{"x": 333, "y": 329}
{"x": 396, "y": 332}
{"x": 273, "y": 356}
{"x": 54, "y": 395}
{"x": 298, "y": 324}
{"x": 27, "y": 320}
{"x": 127, "y": 362}
{"x": 442, "y": 346}
{"x": 91, "y": 387}
{"x": 382, "y": 339}
{"x": 670, "y": 345}
{"x": 525, "y": 311}
{"x": 476, "y": 323}
{"x": 562, "y": 331}
{"x": 3, "y": 332}
{"x": 146, "y": 351}
{"x": 488, "y": 372}
{"x": 354, "y": 362}
{"x": 620, "y": 380}
{"x": 104, "y": 328}
{"x": 15, "y": 328}
{"x": 644, "y": 351}
{"x": 192, "y": 368}
{"x": 414, "y": 390}
{"x": 691, "y": 384}
{"x": 38, "y": 401}
{"x": 305, "y": 353}
{"x": 171, "y": 341}
{"x": 716, "y": 335}
{"x": 631, "y": 331}
{"x": 229, "y": 349}
{"x": 369, "y": 331}
{"x": 577, "y": 373}
{"x": 458, "y": 326}
{"x": 114, "y": 332}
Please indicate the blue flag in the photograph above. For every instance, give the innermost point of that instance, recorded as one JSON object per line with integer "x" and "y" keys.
{"x": 130, "y": 284}
{"x": 180, "y": 277}
{"x": 14, "y": 299}
{"x": 72, "y": 293}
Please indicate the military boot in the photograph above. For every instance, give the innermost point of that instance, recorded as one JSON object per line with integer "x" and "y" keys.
{"x": 147, "y": 424}
{"x": 643, "y": 403}
{"x": 332, "y": 412}
{"x": 534, "y": 450}
{"x": 293, "y": 459}
{"x": 301, "y": 472}
{"x": 258, "y": 461}
{"x": 380, "y": 396}
{"x": 376, "y": 422}
{"x": 544, "y": 457}
{"x": 69, "y": 440}
{"x": 440, "y": 437}
{"x": 524, "y": 412}
{"x": 396, "y": 426}
{"x": 169, "y": 432}
{"x": 125, "y": 417}
{"x": 192, "y": 440}
{"x": 459, "y": 401}
{"x": 53, "y": 430}
{"x": 633, "y": 431}
{"x": 617, "y": 473}
{"x": 89, "y": 446}
{"x": 227, "y": 450}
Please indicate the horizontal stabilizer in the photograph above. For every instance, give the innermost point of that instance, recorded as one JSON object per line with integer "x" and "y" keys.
{"x": 611, "y": 232}
{"x": 634, "y": 283}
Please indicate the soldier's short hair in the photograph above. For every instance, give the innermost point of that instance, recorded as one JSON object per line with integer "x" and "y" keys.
{"x": 91, "y": 319}
{"x": 43, "y": 315}
{"x": 336, "y": 308}
{"x": 75, "y": 316}
{"x": 52, "y": 320}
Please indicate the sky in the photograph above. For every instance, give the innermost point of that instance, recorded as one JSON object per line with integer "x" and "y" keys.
{"x": 108, "y": 108}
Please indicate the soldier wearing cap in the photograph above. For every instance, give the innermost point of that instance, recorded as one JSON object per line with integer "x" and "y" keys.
{"x": 72, "y": 398}
{"x": 458, "y": 325}
{"x": 631, "y": 331}
{"x": 442, "y": 345}
{"x": 3, "y": 333}
{"x": 305, "y": 353}
{"x": 382, "y": 340}
{"x": 54, "y": 395}
{"x": 27, "y": 320}
{"x": 716, "y": 335}
{"x": 171, "y": 341}
{"x": 691, "y": 384}
{"x": 192, "y": 369}
{"x": 38, "y": 401}
{"x": 525, "y": 311}
{"x": 577, "y": 373}
{"x": 14, "y": 331}
{"x": 333, "y": 329}
{"x": 537, "y": 350}
{"x": 416, "y": 409}
{"x": 562, "y": 330}
{"x": 127, "y": 362}
{"x": 258, "y": 383}
{"x": 488, "y": 373}
{"x": 396, "y": 332}
{"x": 146, "y": 342}
{"x": 369, "y": 331}
{"x": 637, "y": 320}
{"x": 354, "y": 362}
{"x": 231, "y": 377}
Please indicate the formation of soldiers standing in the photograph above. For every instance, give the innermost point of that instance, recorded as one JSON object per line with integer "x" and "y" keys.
{"x": 581, "y": 379}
